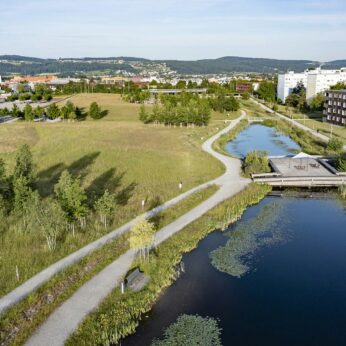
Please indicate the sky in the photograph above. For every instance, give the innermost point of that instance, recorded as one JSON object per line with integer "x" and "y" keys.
{"x": 174, "y": 29}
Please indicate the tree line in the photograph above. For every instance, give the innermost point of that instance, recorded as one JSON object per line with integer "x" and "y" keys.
{"x": 23, "y": 207}
{"x": 187, "y": 109}
{"x": 67, "y": 112}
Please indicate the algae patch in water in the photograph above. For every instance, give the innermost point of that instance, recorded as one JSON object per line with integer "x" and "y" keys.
{"x": 236, "y": 257}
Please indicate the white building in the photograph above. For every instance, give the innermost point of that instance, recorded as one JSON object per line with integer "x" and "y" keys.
{"x": 321, "y": 80}
{"x": 315, "y": 81}
{"x": 288, "y": 81}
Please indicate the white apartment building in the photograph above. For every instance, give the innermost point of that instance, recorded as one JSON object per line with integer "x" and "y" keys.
{"x": 315, "y": 81}
{"x": 288, "y": 81}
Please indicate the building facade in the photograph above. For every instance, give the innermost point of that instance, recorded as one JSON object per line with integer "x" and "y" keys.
{"x": 335, "y": 106}
{"x": 288, "y": 81}
{"x": 315, "y": 81}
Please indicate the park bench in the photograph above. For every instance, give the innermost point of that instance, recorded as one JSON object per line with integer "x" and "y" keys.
{"x": 136, "y": 280}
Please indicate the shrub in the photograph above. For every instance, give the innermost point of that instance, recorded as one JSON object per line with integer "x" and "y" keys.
{"x": 256, "y": 162}
{"x": 335, "y": 144}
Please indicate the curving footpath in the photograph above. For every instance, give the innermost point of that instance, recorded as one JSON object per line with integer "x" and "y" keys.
{"x": 65, "y": 319}
{"x": 324, "y": 138}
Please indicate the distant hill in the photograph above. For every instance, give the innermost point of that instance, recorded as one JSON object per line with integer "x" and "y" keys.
{"x": 238, "y": 64}
{"x": 230, "y": 64}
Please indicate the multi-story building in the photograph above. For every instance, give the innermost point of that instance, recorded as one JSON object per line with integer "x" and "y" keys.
{"x": 288, "y": 81}
{"x": 315, "y": 81}
{"x": 335, "y": 106}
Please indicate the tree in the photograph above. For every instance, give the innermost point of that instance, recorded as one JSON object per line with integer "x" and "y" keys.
{"x": 104, "y": 206}
{"x": 181, "y": 84}
{"x": 47, "y": 96}
{"x": 338, "y": 86}
{"x": 50, "y": 221}
{"x": 16, "y": 112}
{"x": 95, "y": 111}
{"x": 142, "y": 237}
{"x": 71, "y": 197}
{"x": 28, "y": 113}
{"x": 25, "y": 199}
{"x": 266, "y": 91}
{"x": 335, "y": 144}
{"x": 230, "y": 104}
{"x": 53, "y": 111}
{"x": 143, "y": 115}
{"x": 24, "y": 166}
{"x": 317, "y": 101}
{"x": 64, "y": 112}
{"x": 256, "y": 162}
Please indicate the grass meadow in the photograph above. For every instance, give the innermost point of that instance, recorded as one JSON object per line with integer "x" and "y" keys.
{"x": 117, "y": 152}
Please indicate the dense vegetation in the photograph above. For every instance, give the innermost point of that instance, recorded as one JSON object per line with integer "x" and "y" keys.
{"x": 191, "y": 330}
{"x": 119, "y": 314}
{"x": 226, "y": 64}
{"x": 179, "y": 110}
{"x": 256, "y": 162}
{"x": 231, "y": 64}
{"x": 37, "y": 66}
{"x": 15, "y": 326}
{"x": 68, "y": 112}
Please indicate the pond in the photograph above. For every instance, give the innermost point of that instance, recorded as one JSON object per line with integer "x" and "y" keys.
{"x": 260, "y": 137}
{"x": 276, "y": 277}
{"x": 293, "y": 294}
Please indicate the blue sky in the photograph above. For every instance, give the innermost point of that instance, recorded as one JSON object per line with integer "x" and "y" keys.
{"x": 179, "y": 29}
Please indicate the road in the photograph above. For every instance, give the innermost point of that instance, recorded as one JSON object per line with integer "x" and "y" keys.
{"x": 65, "y": 319}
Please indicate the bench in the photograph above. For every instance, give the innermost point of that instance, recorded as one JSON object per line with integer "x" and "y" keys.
{"x": 136, "y": 280}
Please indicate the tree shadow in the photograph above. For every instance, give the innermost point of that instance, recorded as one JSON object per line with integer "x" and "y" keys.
{"x": 123, "y": 196}
{"x": 155, "y": 218}
{"x": 80, "y": 167}
{"x": 104, "y": 113}
{"x": 81, "y": 113}
{"x": 48, "y": 178}
{"x": 108, "y": 180}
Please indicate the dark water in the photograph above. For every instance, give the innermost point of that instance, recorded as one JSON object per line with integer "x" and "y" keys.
{"x": 295, "y": 293}
{"x": 260, "y": 137}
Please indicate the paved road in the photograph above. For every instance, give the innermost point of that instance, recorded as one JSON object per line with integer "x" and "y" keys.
{"x": 324, "y": 138}
{"x": 64, "y": 320}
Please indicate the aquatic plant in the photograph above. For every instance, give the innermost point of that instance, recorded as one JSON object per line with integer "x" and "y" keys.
{"x": 191, "y": 330}
{"x": 235, "y": 257}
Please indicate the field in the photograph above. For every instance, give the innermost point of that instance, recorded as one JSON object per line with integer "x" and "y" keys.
{"x": 118, "y": 152}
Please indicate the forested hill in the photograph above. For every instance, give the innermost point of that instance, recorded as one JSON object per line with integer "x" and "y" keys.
{"x": 238, "y": 64}
{"x": 27, "y": 65}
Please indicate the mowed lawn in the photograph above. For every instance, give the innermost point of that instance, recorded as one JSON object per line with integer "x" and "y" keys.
{"x": 118, "y": 152}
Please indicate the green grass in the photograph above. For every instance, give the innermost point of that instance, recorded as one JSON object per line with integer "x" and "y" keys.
{"x": 62, "y": 286}
{"x": 118, "y": 152}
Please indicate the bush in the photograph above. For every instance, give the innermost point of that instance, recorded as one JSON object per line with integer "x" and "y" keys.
{"x": 341, "y": 162}
{"x": 95, "y": 111}
{"x": 335, "y": 144}
{"x": 256, "y": 162}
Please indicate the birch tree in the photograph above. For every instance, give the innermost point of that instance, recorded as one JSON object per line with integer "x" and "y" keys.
{"x": 142, "y": 237}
